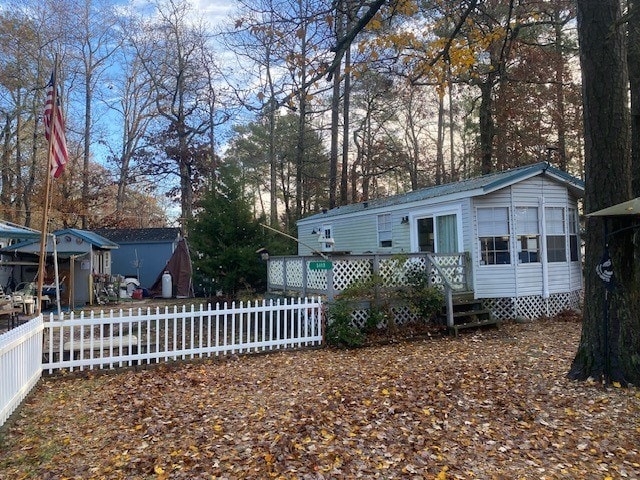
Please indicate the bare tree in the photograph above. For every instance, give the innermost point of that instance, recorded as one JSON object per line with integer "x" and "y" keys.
{"x": 94, "y": 41}
{"x": 171, "y": 49}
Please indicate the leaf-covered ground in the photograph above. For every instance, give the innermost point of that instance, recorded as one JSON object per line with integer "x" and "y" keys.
{"x": 493, "y": 404}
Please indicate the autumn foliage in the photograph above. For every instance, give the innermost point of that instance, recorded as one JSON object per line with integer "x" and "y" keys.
{"x": 488, "y": 404}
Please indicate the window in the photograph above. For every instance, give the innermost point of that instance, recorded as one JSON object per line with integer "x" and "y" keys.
{"x": 493, "y": 234}
{"x": 326, "y": 233}
{"x": 556, "y": 242}
{"x": 573, "y": 235}
{"x": 384, "y": 230}
{"x": 527, "y": 234}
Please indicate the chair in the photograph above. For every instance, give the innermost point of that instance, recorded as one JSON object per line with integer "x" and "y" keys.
{"x": 23, "y": 296}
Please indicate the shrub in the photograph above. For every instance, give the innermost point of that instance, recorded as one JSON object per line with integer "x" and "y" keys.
{"x": 340, "y": 330}
{"x": 424, "y": 299}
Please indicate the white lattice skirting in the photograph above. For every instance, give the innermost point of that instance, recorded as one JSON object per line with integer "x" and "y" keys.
{"x": 402, "y": 314}
{"x": 534, "y": 306}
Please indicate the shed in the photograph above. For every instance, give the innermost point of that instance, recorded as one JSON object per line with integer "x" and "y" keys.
{"x": 519, "y": 230}
{"x": 10, "y": 267}
{"x": 143, "y": 252}
{"x": 81, "y": 256}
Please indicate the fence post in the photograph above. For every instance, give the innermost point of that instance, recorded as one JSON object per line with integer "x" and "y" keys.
{"x": 304, "y": 277}
{"x": 330, "y": 290}
{"x": 375, "y": 266}
{"x": 427, "y": 267}
{"x": 284, "y": 276}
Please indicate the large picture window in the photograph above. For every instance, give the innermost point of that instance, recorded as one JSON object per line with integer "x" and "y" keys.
{"x": 493, "y": 235}
{"x": 384, "y": 230}
{"x": 527, "y": 234}
{"x": 556, "y": 240}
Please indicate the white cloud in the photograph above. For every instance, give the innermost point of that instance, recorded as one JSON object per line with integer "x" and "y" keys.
{"x": 214, "y": 12}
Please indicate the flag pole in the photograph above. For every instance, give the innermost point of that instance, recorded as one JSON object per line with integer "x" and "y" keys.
{"x": 47, "y": 191}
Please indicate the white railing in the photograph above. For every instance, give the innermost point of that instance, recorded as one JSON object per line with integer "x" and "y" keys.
{"x": 297, "y": 273}
{"x": 20, "y": 364}
{"x": 132, "y": 337}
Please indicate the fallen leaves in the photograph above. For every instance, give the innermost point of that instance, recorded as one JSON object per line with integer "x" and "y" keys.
{"x": 488, "y": 404}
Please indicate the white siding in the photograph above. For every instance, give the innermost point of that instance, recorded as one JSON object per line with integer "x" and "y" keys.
{"x": 516, "y": 279}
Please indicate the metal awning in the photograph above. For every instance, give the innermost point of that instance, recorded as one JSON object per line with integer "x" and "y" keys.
{"x": 631, "y": 207}
{"x": 10, "y": 230}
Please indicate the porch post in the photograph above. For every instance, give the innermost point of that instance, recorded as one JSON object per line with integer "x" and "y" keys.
{"x": 330, "y": 290}
{"x": 449, "y": 294}
{"x": 284, "y": 276}
{"x": 269, "y": 287}
{"x": 427, "y": 269}
{"x": 304, "y": 277}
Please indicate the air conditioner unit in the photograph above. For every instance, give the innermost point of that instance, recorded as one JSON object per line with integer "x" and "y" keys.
{"x": 326, "y": 244}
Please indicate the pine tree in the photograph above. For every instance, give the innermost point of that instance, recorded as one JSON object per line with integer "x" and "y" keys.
{"x": 224, "y": 237}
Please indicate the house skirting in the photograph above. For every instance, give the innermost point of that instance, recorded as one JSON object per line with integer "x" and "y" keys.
{"x": 534, "y": 306}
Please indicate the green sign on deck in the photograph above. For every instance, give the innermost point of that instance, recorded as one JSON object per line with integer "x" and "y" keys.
{"x": 323, "y": 265}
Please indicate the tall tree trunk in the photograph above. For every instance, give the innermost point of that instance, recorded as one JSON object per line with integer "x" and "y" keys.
{"x": 486, "y": 125}
{"x": 344, "y": 178}
{"x": 633, "y": 55}
{"x": 87, "y": 145}
{"x": 559, "y": 87}
{"x": 609, "y": 347}
{"x": 5, "y": 170}
{"x": 302, "y": 118}
{"x": 440, "y": 141}
{"x": 335, "y": 114}
{"x": 452, "y": 164}
{"x": 186, "y": 189}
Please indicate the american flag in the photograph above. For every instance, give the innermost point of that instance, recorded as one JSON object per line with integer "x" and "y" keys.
{"x": 58, "y": 144}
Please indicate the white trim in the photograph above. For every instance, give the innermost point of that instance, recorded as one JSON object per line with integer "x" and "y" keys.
{"x": 390, "y": 230}
{"x": 329, "y": 245}
{"x": 543, "y": 248}
{"x": 436, "y": 211}
{"x": 476, "y": 233}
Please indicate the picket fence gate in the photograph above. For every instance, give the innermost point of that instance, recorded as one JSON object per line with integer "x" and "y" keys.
{"x": 122, "y": 338}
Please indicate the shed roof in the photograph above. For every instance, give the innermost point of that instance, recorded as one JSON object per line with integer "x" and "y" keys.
{"x": 92, "y": 238}
{"x": 10, "y": 230}
{"x": 481, "y": 185}
{"x": 140, "y": 235}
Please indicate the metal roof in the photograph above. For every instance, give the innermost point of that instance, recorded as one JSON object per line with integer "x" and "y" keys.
{"x": 631, "y": 207}
{"x": 10, "y": 230}
{"x": 140, "y": 235}
{"x": 89, "y": 237}
{"x": 481, "y": 185}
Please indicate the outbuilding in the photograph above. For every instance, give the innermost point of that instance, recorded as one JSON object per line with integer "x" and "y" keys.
{"x": 84, "y": 258}
{"x": 143, "y": 252}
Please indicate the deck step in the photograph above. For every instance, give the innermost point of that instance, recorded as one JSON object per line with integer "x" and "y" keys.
{"x": 476, "y": 324}
{"x": 469, "y": 313}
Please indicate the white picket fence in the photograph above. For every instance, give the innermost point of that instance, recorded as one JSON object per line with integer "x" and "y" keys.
{"x": 142, "y": 336}
{"x": 20, "y": 364}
